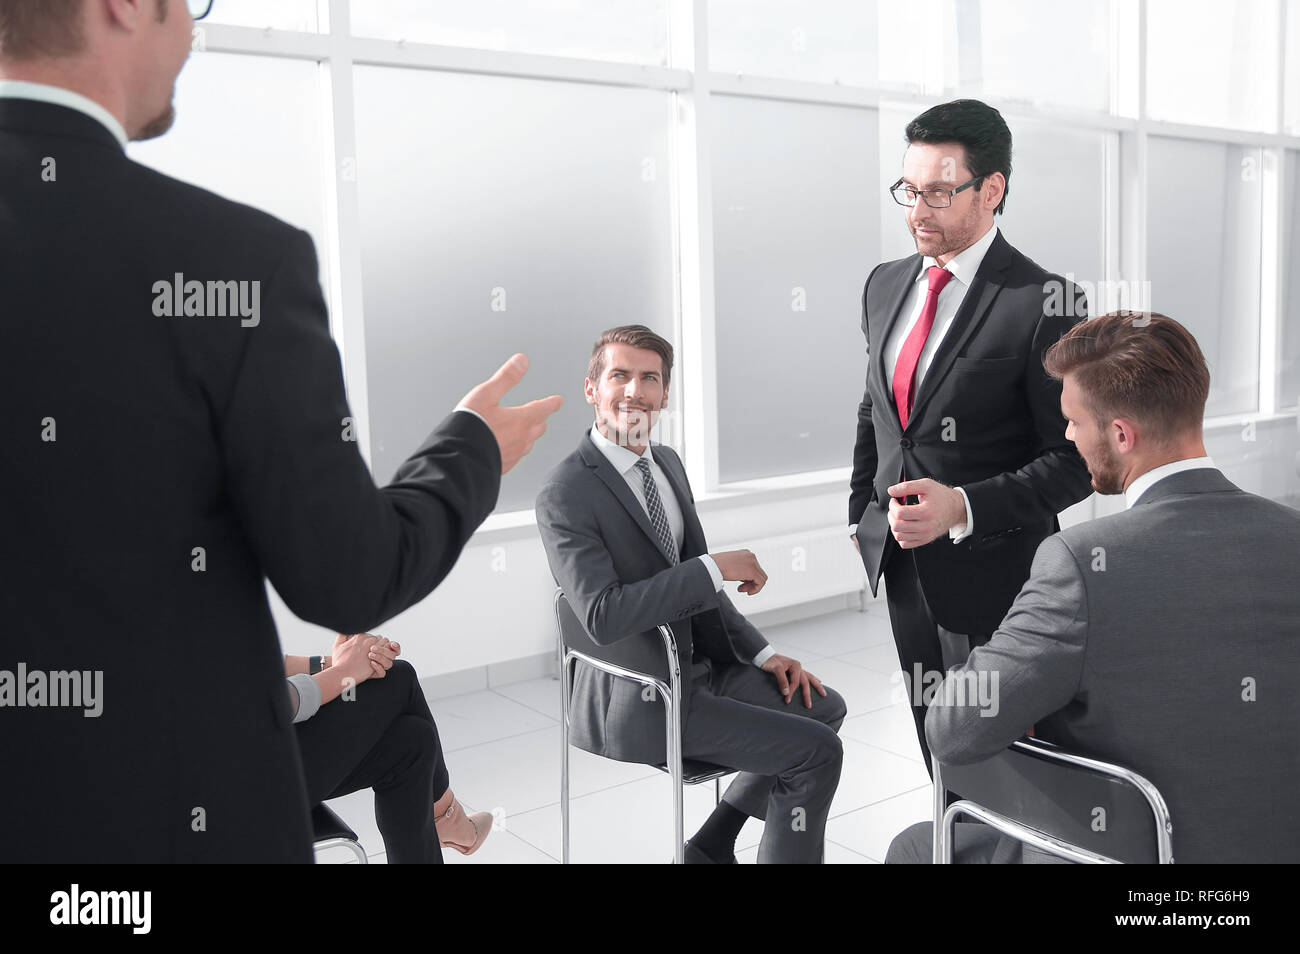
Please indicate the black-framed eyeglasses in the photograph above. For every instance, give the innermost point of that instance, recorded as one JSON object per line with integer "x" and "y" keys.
{"x": 199, "y": 8}
{"x": 905, "y": 195}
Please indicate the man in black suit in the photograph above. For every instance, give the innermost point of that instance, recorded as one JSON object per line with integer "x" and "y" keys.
{"x": 961, "y": 463}
{"x": 175, "y": 432}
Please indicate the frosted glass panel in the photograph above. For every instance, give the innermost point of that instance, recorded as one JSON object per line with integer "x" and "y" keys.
{"x": 299, "y": 15}
{"x": 825, "y": 41}
{"x": 795, "y": 201}
{"x": 1056, "y": 201}
{"x": 1203, "y": 255}
{"x": 1291, "y": 68}
{"x": 503, "y": 215}
{"x": 249, "y": 128}
{"x": 1213, "y": 62}
{"x": 1288, "y": 379}
{"x": 633, "y": 31}
{"x": 1026, "y": 50}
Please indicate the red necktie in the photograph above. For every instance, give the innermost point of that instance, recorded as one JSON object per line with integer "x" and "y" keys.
{"x": 905, "y": 370}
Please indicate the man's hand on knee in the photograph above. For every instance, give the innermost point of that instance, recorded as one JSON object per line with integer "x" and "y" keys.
{"x": 791, "y": 677}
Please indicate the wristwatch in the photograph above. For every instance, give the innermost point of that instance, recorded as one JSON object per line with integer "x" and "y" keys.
{"x": 314, "y": 665}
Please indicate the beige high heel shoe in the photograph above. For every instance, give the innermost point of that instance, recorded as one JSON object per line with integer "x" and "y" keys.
{"x": 452, "y": 828}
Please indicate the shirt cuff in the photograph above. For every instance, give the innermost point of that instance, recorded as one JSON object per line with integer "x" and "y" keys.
{"x": 764, "y": 654}
{"x": 308, "y": 696}
{"x": 714, "y": 573}
{"x": 958, "y": 534}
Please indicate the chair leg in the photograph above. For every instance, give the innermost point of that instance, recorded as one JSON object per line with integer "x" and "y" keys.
{"x": 940, "y": 805}
{"x": 565, "y": 676}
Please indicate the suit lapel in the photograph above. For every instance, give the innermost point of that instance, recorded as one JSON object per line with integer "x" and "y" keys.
{"x": 895, "y": 311}
{"x": 612, "y": 479}
{"x": 974, "y": 309}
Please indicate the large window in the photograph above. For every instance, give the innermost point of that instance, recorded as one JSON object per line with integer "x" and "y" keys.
{"x": 482, "y": 178}
{"x": 795, "y": 189}
{"x": 503, "y": 214}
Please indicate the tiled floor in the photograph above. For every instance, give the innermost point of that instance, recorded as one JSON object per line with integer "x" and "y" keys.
{"x": 503, "y": 750}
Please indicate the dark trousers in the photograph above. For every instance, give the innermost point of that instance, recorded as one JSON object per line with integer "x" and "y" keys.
{"x": 919, "y": 639}
{"x": 384, "y": 739}
{"x": 789, "y": 756}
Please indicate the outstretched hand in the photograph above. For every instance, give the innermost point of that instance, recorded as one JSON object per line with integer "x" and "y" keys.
{"x": 515, "y": 428}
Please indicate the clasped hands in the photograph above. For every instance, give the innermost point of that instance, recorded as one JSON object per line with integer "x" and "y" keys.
{"x": 363, "y": 656}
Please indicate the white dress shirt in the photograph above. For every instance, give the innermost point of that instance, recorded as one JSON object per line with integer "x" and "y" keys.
{"x": 625, "y": 461}
{"x": 43, "y": 93}
{"x": 963, "y": 266}
{"x": 1144, "y": 483}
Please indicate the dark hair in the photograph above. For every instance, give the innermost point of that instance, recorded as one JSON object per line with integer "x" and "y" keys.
{"x": 638, "y": 336}
{"x": 1140, "y": 365}
{"x": 978, "y": 128}
{"x": 31, "y": 29}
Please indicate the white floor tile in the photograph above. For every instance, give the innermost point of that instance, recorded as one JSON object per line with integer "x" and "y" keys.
{"x": 540, "y": 695}
{"x": 834, "y": 633}
{"x": 628, "y": 824}
{"x": 872, "y": 775}
{"x": 864, "y": 690}
{"x": 477, "y": 717}
{"x": 869, "y": 830}
{"x": 522, "y": 773}
{"x": 881, "y": 658}
{"x": 890, "y": 728}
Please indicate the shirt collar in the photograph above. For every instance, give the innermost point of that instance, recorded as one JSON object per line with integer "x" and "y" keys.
{"x": 622, "y": 458}
{"x": 44, "y": 93}
{"x": 1145, "y": 482}
{"x": 965, "y": 263}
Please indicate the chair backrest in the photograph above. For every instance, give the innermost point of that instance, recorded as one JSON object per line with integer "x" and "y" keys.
{"x": 1099, "y": 807}
{"x": 636, "y": 654}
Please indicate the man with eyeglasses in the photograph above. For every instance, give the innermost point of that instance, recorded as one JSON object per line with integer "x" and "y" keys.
{"x": 961, "y": 463}
{"x": 175, "y": 433}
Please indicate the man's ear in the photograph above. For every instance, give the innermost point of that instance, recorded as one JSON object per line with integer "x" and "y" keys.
{"x": 1126, "y": 434}
{"x": 589, "y": 390}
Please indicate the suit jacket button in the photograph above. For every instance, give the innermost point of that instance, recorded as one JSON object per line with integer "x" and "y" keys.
{"x": 905, "y": 443}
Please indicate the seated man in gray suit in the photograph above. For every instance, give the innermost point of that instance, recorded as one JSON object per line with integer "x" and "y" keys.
{"x": 625, "y": 544}
{"x": 1162, "y": 638}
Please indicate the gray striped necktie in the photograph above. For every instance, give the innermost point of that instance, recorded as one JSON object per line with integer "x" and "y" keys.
{"x": 658, "y": 519}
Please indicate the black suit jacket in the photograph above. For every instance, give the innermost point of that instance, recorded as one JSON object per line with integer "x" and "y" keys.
{"x": 621, "y": 584}
{"x": 986, "y": 417}
{"x": 155, "y": 470}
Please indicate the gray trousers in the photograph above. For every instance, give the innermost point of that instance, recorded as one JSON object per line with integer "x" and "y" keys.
{"x": 973, "y": 844}
{"x": 789, "y": 757}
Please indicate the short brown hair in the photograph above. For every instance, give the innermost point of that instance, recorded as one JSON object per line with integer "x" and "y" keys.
{"x": 31, "y": 29}
{"x": 638, "y": 336}
{"x": 1139, "y": 365}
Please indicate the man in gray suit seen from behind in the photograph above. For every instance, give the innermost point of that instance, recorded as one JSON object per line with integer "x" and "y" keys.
{"x": 625, "y": 544}
{"x": 1162, "y": 638}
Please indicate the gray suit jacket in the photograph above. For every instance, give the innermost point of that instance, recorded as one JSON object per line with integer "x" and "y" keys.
{"x": 1164, "y": 638}
{"x": 621, "y": 584}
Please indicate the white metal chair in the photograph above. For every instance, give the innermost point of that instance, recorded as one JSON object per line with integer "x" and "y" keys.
{"x": 1081, "y": 809}
{"x": 569, "y": 631}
